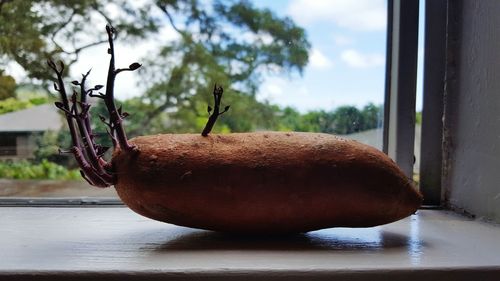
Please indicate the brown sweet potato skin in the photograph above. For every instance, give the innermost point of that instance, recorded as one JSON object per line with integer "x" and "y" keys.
{"x": 265, "y": 182}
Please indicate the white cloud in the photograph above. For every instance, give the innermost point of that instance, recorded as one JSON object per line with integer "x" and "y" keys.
{"x": 318, "y": 60}
{"x": 363, "y": 15}
{"x": 356, "y": 59}
{"x": 272, "y": 88}
{"x": 296, "y": 93}
{"x": 302, "y": 90}
{"x": 280, "y": 89}
{"x": 342, "y": 40}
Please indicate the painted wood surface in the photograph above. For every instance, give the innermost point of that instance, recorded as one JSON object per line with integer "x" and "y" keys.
{"x": 113, "y": 243}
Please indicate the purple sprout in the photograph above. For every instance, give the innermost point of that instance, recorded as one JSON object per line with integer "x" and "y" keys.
{"x": 89, "y": 154}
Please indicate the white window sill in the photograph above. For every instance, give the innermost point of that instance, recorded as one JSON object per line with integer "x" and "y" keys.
{"x": 113, "y": 243}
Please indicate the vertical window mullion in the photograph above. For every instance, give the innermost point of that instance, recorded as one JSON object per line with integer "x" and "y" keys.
{"x": 399, "y": 126}
{"x": 433, "y": 104}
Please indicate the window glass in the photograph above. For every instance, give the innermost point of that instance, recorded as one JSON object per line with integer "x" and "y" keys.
{"x": 8, "y": 144}
{"x": 287, "y": 65}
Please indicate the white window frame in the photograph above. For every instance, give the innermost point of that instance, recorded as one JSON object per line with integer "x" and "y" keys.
{"x": 401, "y": 84}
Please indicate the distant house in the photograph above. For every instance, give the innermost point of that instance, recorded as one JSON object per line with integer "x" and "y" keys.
{"x": 19, "y": 129}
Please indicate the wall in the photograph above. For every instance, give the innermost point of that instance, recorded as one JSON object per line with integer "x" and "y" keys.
{"x": 472, "y": 110}
{"x": 23, "y": 146}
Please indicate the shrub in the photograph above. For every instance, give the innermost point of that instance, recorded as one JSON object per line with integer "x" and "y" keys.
{"x": 44, "y": 170}
{"x": 14, "y": 104}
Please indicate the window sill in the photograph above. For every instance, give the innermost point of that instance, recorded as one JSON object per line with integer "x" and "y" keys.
{"x": 112, "y": 243}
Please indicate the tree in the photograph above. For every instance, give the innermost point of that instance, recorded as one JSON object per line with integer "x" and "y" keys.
{"x": 226, "y": 42}
{"x": 291, "y": 120}
{"x": 33, "y": 30}
{"x": 7, "y": 86}
{"x": 211, "y": 51}
{"x": 48, "y": 145}
{"x": 348, "y": 120}
{"x": 372, "y": 116}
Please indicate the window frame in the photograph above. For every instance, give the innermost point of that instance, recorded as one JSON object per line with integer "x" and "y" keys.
{"x": 401, "y": 82}
{"x": 399, "y": 104}
{"x": 432, "y": 141}
{"x": 400, "y": 96}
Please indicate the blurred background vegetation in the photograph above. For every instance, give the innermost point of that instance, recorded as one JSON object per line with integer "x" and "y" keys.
{"x": 179, "y": 77}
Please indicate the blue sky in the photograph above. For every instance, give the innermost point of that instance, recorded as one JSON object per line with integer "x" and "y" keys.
{"x": 347, "y": 61}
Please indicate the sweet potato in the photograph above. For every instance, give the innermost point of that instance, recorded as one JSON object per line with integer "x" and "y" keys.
{"x": 266, "y": 182}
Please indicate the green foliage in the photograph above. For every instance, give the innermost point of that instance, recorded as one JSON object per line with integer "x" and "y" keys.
{"x": 14, "y": 104}
{"x": 226, "y": 42}
{"x": 22, "y": 36}
{"x": 418, "y": 117}
{"x": 349, "y": 119}
{"x": 210, "y": 54}
{"x": 48, "y": 145}
{"x": 372, "y": 116}
{"x": 231, "y": 43}
{"x": 219, "y": 41}
{"x": 43, "y": 170}
{"x": 343, "y": 120}
{"x": 246, "y": 114}
{"x": 291, "y": 120}
{"x": 289, "y": 47}
{"x": 34, "y": 30}
{"x": 7, "y": 86}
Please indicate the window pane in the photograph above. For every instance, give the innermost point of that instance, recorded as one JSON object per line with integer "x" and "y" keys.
{"x": 8, "y": 144}
{"x": 290, "y": 65}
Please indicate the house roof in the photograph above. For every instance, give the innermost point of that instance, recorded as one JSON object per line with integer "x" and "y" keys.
{"x": 34, "y": 119}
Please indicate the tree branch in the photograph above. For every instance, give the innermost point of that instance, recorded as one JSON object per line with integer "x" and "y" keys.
{"x": 163, "y": 8}
{"x": 99, "y": 11}
{"x": 61, "y": 26}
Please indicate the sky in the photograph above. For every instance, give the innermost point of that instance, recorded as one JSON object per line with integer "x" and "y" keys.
{"x": 346, "y": 62}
